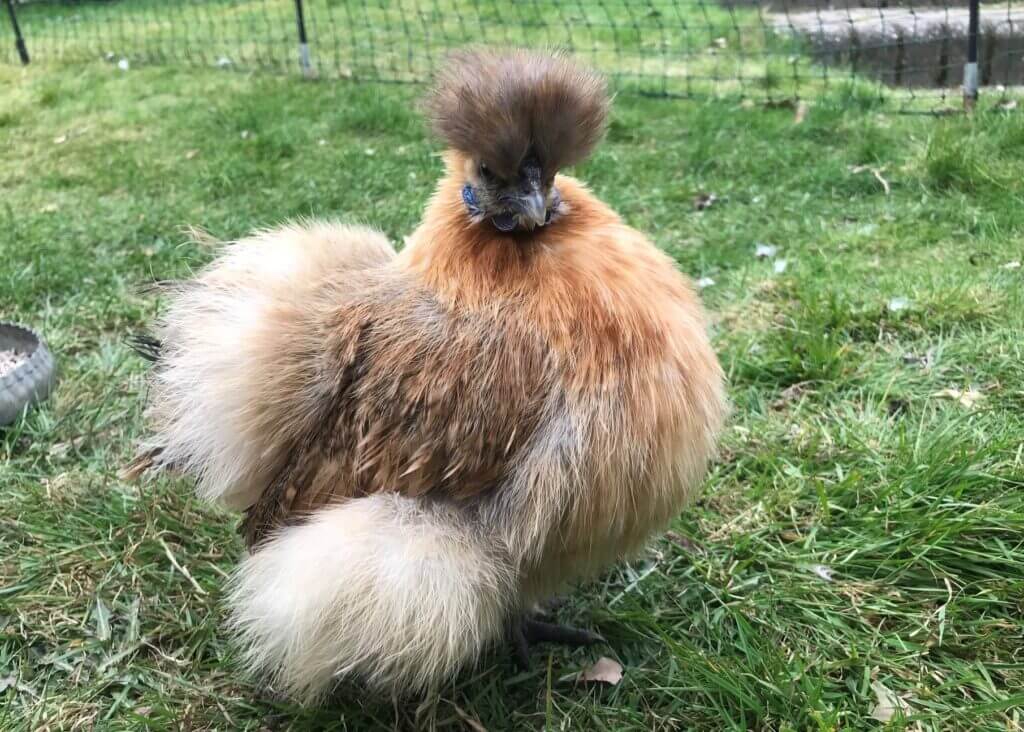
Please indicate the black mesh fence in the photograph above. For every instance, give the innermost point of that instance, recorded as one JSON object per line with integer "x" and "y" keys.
{"x": 761, "y": 49}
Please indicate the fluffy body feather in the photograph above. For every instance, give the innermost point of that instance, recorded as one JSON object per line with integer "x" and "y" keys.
{"x": 425, "y": 444}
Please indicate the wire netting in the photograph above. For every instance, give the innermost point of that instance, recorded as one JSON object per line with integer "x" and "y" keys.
{"x": 775, "y": 49}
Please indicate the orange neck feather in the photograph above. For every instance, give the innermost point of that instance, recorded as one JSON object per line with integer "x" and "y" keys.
{"x": 472, "y": 264}
{"x": 595, "y": 288}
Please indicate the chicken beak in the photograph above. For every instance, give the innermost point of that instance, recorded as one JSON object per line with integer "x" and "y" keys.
{"x": 533, "y": 208}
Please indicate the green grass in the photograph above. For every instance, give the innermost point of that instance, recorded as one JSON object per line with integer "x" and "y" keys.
{"x": 840, "y": 459}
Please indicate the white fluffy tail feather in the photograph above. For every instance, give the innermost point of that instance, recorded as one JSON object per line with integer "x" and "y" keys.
{"x": 378, "y": 589}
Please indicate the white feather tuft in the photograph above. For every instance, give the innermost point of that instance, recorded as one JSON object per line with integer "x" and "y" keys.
{"x": 379, "y": 589}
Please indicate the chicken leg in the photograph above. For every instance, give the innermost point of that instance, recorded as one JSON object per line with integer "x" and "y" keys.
{"x": 527, "y": 631}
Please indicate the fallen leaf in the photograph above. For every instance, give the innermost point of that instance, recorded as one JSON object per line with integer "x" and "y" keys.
{"x": 321, "y": 142}
{"x": 123, "y": 64}
{"x": 605, "y": 671}
{"x": 1012, "y": 265}
{"x": 967, "y": 397}
{"x": 189, "y": 154}
{"x": 705, "y": 282}
{"x": 60, "y": 140}
{"x": 245, "y": 134}
{"x": 898, "y": 303}
{"x": 6, "y": 682}
{"x": 822, "y": 571}
{"x": 1007, "y": 105}
{"x": 223, "y": 62}
{"x": 780, "y": 266}
{"x": 764, "y": 251}
{"x": 721, "y": 42}
{"x": 49, "y": 208}
{"x": 370, "y": 151}
{"x": 888, "y": 703}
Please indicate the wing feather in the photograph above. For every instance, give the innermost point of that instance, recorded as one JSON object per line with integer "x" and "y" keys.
{"x": 418, "y": 409}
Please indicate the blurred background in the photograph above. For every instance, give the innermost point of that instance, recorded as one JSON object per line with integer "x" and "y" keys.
{"x": 773, "y": 49}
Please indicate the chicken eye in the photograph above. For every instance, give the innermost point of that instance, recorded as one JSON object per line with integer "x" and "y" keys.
{"x": 485, "y": 172}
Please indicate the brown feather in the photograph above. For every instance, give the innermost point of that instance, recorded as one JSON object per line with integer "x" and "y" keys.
{"x": 408, "y": 412}
{"x": 498, "y": 106}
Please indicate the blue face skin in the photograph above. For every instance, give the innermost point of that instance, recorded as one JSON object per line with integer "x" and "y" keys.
{"x": 522, "y": 204}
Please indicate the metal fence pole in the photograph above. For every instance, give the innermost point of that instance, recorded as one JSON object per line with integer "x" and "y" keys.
{"x": 300, "y": 21}
{"x": 19, "y": 42}
{"x": 971, "y": 68}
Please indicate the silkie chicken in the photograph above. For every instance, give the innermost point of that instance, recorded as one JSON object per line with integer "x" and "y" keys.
{"x": 428, "y": 444}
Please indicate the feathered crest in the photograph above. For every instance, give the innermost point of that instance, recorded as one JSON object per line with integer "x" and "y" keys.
{"x": 500, "y": 105}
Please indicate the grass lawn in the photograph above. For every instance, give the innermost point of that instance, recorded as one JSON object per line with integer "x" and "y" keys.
{"x": 858, "y": 549}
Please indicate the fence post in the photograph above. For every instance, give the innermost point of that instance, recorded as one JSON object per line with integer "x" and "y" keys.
{"x": 300, "y": 21}
{"x": 971, "y": 68}
{"x": 19, "y": 42}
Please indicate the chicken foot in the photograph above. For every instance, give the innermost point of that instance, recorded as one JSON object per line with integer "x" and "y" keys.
{"x": 527, "y": 631}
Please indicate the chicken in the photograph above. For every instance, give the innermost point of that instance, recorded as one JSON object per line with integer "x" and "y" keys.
{"x": 427, "y": 444}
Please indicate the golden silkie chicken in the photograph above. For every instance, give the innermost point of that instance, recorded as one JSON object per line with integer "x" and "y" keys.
{"x": 427, "y": 444}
